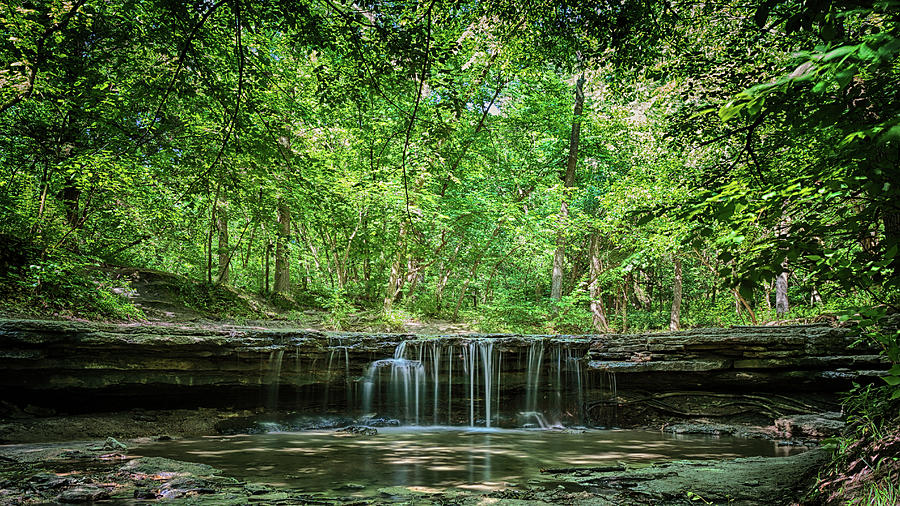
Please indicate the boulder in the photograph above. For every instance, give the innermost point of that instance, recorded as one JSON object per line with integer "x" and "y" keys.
{"x": 816, "y": 426}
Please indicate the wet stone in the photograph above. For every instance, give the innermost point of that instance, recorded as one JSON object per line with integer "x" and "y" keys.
{"x": 159, "y": 465}
{"x": 256, "y": 489}
{"x": 181, "y": 487}
{"x": 46, "y": 481}
{"x": 351, "y": 486}
{"x": 359, "y": 430}
{"x": 817, "y": 426}
{"x": 144, "y": 493}
{"x": 83, "y": 494}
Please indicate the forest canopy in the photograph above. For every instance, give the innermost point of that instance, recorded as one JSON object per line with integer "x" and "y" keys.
{"x": 552, "y": 166}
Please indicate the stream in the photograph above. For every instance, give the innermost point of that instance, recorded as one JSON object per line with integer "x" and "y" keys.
{"x": 440, "y": 458}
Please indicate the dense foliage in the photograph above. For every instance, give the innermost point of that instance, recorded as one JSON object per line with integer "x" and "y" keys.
{"x": 553, "y": 166}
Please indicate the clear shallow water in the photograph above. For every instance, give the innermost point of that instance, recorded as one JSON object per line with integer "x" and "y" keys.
{"x": 435, "y": 458}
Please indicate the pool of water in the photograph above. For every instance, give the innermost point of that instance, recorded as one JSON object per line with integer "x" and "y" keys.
{"x": 439, "y": 458}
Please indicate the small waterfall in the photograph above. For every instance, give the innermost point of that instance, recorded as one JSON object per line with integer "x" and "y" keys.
{"x": 273, "y": 378}
{"x": 425, "y": 374}
{"x": 533, "y": 375}
{"x": 405, "y": 387}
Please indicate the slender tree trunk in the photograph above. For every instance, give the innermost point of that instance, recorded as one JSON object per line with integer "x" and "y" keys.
{"x": 639, "y": 293}
{"x": 597, "y": 310}
{"x": 268, "y": 257}
{"x": 815, "y": 298}
{"x": 45, "y": 187}
{"x": 675, "y": 315}
{"x": 781, "y": 282}
{"x": 395, "y": 280}
{"x": 282, "y": 257}
{"x": 781, "y": 287}
{"x": 558, "y": 260}
{"x": 413, "y": 276}
{"x": 569, "y": 181}
{"x": 445, "y": 270}
{"x": 224, "y": 248}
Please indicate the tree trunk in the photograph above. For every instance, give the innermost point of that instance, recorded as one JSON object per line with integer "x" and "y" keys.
{"x": 413, "y": 276}
{"x": 781, "y": 287}
{"x": 282, "y": 260}
{"x": 445, "y": 276}
{"x": 395, "y": 281}
{"x": 267, "y": 275}
{"x": 781, "y": 282}
{"x": 224, "y": 249}
{"x": 675, "y": 316}
{"x": 558, "y": 259}
{"x": 815, "y": 298}
{"x": 597, "y": 309}
{"x": 639, "y": 293}
{"x": 569, "y": 181}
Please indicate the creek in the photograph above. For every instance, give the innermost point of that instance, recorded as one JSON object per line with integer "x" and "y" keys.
{"x": 439, "y": 458}
{"x": 450, "y": 414}
{"x": 364, "y": 415}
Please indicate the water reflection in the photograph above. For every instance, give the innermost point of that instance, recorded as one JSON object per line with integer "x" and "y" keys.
{"x": 441, "y": 457}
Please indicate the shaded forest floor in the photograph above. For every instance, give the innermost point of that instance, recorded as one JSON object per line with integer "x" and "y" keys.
{"x": 163, "y": 298}
{"x": 116, "y": 293}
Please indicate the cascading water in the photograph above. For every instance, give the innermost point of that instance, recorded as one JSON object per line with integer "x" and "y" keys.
{"x": 462, "y": 381}
{"x": 273, "y": 377}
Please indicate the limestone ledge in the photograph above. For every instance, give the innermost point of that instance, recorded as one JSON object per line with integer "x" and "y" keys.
{"x": 54, "y": 355}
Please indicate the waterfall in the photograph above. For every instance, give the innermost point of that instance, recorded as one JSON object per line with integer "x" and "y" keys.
{"x": 273, "y": 378}
{"x": 533, "y": 375}
{"x": 424, "y": 375}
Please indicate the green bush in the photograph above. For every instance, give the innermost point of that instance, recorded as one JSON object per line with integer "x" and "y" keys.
{"x": 65, "y": 285}
{"x": 338, "y": 308}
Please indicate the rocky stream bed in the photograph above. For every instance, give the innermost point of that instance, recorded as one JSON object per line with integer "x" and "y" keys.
{"x": 79, "y": 400}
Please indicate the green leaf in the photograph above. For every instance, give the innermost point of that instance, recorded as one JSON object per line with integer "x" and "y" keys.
{"x": 840, "y": 52}
{"x": 892, "y": 380}
{"x": 729, "y": 111}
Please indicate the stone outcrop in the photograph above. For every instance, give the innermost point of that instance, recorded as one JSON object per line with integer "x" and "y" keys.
{"x": 823, "y": 351}
{"x": 743, "y": 373}
{"x": 83, "y": 367}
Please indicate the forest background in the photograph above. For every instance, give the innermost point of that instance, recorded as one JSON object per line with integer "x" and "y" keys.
{"x": 543, "y": 167}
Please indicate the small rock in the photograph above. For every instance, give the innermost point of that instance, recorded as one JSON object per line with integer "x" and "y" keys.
{"x": 256, "y": 489}
{"x": 162, "y": 437}
{"x": 351, "y": 486}
{"x": 144, "y": 493}
{"x": 157, "y": 465}
{"x": 112, "y": 444}
{"x": 82, "y": 494}
{"x": 819, "y": 425}
{"x": 361, "y": 430}
{"x": 45, "y": 481}
{"x": 181, "y": 487}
